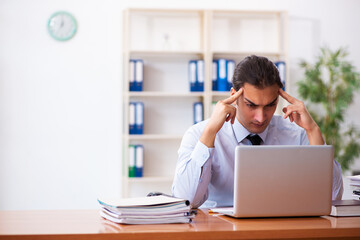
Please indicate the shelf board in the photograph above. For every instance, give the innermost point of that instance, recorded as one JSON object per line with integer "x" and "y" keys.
{"x": 155, "y": 137}
{"x": 149, "y": 179}
{"x": 156, "y": 11}
{"x": 165, "y": 53}
{"x": 221, "y": 94}
{"x": 232, "y": 12}
{"x": 165, "y": 94}
{"x": 242, "y": 53}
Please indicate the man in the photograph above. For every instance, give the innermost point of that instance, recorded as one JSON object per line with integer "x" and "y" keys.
{"x": 205, "y": 168}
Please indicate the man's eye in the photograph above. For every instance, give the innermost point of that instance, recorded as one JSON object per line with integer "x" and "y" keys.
{"x": 271, "y": 105}
{"x": 250, "y": 105}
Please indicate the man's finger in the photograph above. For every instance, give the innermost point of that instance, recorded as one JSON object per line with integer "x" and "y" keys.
{"x": 231, "y": 113}
{"x": 288, "y": 110}
{"x": 287, "y": 97}
{"x": 234, "y": 97}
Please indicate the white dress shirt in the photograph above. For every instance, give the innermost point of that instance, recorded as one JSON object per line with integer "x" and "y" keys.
{"x": 215, "y": 186}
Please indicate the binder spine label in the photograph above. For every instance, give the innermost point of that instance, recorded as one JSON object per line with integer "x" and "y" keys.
{"x": 282, "y": 72}
{"x": 200, "y": 76}
{"x": 139, "y": 118}
{"x": 132, "y": 129}
{"x": 230, "y": 73}
{"x": 192, "y": 75}
{"x": 222, "y": 68}
{"x": 214, "y": 75}
{"x": 139, "y": 163}
{"x": 139, "y": 75}
{"x": 132, "y": 75}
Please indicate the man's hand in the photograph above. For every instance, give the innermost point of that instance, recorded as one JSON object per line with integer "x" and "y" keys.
{"x": 298, "y": 113}
{"x": 223, "y": 112}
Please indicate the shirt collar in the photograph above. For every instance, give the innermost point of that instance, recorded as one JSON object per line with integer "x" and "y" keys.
{"x": 241, "y": 132}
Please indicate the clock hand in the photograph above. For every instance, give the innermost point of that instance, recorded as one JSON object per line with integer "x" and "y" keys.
{"x": 62, "y": 21}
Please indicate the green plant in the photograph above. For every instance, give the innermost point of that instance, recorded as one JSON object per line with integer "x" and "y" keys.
{"x": 330, "y": 84}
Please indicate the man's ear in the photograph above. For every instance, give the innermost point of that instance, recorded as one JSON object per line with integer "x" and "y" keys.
{"x": 232, "y": 92}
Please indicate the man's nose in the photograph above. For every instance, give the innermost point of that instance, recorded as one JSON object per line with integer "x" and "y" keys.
{"x": 260, "y": 115}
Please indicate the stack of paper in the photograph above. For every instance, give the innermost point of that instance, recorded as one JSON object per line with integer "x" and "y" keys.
{"x": 147, "y": 210}
{"x": 355, "y": 186}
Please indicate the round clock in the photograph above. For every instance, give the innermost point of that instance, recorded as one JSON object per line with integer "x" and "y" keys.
{"x": 62, "y": 26}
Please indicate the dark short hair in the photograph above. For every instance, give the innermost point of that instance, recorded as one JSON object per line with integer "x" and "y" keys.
{"x": 257, "y": 71}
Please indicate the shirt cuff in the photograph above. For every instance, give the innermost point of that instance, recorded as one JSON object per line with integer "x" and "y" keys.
{"x": 202, "y": 153}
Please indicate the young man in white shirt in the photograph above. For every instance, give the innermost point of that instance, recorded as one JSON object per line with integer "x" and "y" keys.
{"x": 204, "y": 172}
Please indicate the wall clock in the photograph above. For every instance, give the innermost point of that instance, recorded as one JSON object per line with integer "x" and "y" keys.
{"x": 62, "y": 26}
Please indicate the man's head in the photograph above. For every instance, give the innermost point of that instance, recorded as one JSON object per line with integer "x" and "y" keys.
{"x": 257, "y": 71}
{"x": 261, "y": 82}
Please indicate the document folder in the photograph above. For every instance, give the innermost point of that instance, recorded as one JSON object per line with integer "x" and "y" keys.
{"x": 198, "y": 112}
{"x": 132, "y": 129}
{"x": 139, "y": 75}
{"x": 192, "y": 75}
{"x": 222, "y": 75}
{"x": 132, "y": 75}
{"x": 214, "y": 75}
{"x": 139, "y": 118}
{"x": 230, "y": 73}
{"x": 139, "y": 162}
{"x": 282, "y": 72}
{"x": 131, "y": 161}
{"x": 200, "y": 76}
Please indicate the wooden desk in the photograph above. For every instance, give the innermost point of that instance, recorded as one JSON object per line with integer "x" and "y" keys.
{"x": 87, "y": 224}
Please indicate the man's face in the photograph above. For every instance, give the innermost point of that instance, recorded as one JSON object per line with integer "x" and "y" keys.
{"x": 255, "y": 107}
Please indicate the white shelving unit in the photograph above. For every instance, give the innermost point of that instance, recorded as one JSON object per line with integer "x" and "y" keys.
{"x": 167, "y": 40}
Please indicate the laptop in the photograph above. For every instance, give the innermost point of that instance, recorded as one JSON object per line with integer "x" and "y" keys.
{"x": 282, "y": 181}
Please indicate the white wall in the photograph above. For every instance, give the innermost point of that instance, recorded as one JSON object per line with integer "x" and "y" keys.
{"x": 60, "y": 106}
{"x": 60, "y": 102}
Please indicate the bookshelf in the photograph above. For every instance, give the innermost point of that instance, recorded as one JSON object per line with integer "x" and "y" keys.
{"x": 166, "y": 40}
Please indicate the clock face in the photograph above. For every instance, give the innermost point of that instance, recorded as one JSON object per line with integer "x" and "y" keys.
{"x": 62, "y": 26}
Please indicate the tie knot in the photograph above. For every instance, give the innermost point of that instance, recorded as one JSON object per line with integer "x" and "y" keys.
{"x": 254, "y": 139}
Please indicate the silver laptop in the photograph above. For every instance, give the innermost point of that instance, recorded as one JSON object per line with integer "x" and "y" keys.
{"x": 278, "y": 181}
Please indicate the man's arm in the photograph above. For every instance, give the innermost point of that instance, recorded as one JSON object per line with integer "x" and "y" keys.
{"x": 298, "y": 113}
{"x": 337, "y": 187}
{"x": 193, "y": 170}
{"x": 223, "y": 112}
{"x": 313, "y": 137}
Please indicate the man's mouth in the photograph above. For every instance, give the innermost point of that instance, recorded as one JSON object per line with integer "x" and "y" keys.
{"x": 259, "y": 125}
